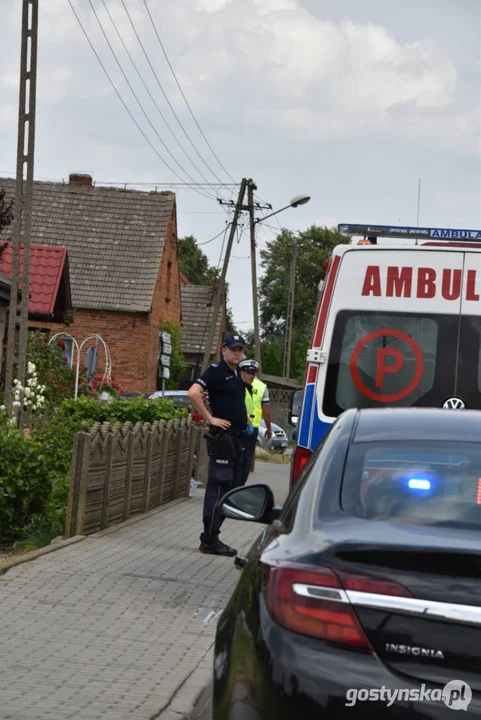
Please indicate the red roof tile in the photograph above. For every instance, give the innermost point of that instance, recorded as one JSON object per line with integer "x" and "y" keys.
{"x": 46, "y": 267}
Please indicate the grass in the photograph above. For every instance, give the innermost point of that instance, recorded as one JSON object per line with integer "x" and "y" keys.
{"x": 272, "y": 457}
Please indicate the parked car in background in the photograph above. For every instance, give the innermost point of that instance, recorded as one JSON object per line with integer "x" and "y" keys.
{"x": 180, "y": 400}
{"x": 278, "y": 442}
{"x": 133, "y": 395}
{"x": 365, "y": 584}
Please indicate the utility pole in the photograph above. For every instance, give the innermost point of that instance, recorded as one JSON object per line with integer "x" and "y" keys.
{"x": 221, "y": 286}
{"x": 255, "y": 307}
{"x": 290, "y": 312}
{"x": 17, "y": 354}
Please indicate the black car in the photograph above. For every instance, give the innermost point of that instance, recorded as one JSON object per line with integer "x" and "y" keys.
{"x": 362, "y": 597}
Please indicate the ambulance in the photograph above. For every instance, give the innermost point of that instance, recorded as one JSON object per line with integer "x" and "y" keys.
{"x": 398, "y": 324}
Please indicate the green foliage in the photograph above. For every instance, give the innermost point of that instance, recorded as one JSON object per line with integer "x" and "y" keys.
{"x": 25, "y": 481}
{"x": 314, "y": 246}
{"x": 177, "y": 362}
{"x": 134, "y": 411}
{"x": 6, "y": 211}
{"x": 194, "y": 263}
{"x": 273, "y": 355}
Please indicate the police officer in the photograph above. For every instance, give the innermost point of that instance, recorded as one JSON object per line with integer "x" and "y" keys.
{"x": 258, "y": 406}
{"x": 228, "y": 427}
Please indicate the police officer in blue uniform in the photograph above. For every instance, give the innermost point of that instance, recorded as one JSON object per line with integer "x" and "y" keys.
{"x": 228, "y": 426}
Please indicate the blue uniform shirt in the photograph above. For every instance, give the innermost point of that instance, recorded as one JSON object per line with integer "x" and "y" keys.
{"x": 227, "y": 393}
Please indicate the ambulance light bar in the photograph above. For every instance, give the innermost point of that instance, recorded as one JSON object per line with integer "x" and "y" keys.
{"x": 393, "y": 231}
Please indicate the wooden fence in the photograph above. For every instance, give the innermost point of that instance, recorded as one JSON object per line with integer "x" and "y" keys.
{"x": 122, "y": 470}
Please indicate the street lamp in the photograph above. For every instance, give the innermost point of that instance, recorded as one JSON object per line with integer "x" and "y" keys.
{"x": 295, "y": 202}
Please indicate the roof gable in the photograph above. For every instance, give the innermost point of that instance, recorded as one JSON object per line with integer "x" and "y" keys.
{"x": 115, "y": 239}
{"x": 49, "y": 287}
{"x": 196, "y": 304}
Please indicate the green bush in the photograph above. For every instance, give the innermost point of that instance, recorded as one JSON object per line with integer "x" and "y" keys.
{"x": 134, "y": 411}
{"x": 25, "y": 482}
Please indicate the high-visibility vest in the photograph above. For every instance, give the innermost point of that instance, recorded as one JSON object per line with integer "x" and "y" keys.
{"x": 258, "y": 388}
{"x": 250, "y": 406}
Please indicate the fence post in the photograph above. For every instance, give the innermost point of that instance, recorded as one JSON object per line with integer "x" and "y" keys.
{"x": 178, "y": 449}
{"x": 148, "y": 470}
{"x": 74, "y": 486}
{"x": 190, "y": 461}
{"x": 83, "y": 482}
{"x": 104, "y": 519}
{"x": 163, "y": 461}
{"x": 128, "y": 478}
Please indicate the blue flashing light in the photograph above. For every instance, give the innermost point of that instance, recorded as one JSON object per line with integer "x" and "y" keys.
{"x": 419, "y": 484}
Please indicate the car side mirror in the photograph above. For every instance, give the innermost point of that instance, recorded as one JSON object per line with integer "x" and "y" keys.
{"x": 254, "y": 503}
{"x": 295, "y": 406}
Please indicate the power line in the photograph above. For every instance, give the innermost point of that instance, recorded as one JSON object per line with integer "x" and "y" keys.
{"x": 137, "y": 99}
{"x": 147, "y": 89}
{"x": 215, "y": 238}
{"x": 162, "y": 89}
{"x": 183, "y": 95}
{"x": 123, "y": 101}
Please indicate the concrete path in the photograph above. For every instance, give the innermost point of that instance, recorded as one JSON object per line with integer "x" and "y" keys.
{"x": 119, "y": 626}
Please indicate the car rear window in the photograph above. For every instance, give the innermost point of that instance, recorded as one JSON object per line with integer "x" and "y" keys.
{"x": 421, "y": 483}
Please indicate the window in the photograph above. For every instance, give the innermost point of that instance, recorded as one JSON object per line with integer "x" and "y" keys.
{"x": 387, "y": 363}
{"x": 418, "y": 483}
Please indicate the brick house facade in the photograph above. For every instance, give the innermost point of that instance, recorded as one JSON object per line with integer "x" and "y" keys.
{"x": 124, "y": 269}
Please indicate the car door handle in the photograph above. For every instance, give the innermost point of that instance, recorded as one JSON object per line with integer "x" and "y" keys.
{"x": 240, "y": 561}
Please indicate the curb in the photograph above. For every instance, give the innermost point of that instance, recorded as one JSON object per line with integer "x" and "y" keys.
{"x": 27, "y": 557}
{"x": 192, "y": 696}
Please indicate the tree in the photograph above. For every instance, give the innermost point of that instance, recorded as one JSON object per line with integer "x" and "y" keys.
{"x": 194, "y": 263}
{"x": 6, "y": 211}
{"x": 314, "y": 246}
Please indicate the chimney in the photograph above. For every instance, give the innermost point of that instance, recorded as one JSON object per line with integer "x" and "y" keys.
{"x": 80, "y": 179}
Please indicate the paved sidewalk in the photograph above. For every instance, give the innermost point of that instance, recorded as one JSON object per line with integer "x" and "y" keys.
{"x": 110, "y": 628}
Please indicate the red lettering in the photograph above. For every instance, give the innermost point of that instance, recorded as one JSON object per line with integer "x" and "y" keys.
{"x": 372, "y": 281}
{"x": 399, "y": 281}
{"x": 471, "y": 293}
{"x": 426, "y": 283}
{"x": 382, "y": 368}
{"x": 451, "y": 288}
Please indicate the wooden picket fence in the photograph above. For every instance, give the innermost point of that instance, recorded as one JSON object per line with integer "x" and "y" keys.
{"x": 122, "y": 470}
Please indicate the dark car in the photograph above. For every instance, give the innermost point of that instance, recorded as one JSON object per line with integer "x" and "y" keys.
{"x": 362, "y": 596}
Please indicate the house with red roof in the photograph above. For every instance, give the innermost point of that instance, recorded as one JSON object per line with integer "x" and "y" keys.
{"x": 49, "y": 287}
{"x": 123, "y": 266}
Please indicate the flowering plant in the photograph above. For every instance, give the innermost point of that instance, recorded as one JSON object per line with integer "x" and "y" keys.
{"x": 100, "y": 385}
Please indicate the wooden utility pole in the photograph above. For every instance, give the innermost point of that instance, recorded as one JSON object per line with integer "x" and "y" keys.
{"x": 290, "y": 312}
{"x": 18, "y": 321}
{"x": 255, "y": 307}
{"x": 221, "y": 286}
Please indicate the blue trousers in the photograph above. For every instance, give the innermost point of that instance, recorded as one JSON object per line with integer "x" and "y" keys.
{"x": 225, "y": 468}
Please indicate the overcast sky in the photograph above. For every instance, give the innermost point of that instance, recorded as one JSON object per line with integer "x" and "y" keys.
{"x": 350, "y": 102}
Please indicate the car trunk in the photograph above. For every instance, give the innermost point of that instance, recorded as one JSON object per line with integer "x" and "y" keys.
{"x": 436, "y": 634}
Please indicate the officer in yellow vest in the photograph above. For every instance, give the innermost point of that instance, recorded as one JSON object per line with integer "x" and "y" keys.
{"x": 258, "y": 407}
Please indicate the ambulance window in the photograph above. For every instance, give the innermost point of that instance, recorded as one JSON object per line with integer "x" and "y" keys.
{"x": 414, "y": 364}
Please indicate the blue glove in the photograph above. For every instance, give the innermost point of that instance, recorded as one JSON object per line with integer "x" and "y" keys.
{"x": 249, "y": 430}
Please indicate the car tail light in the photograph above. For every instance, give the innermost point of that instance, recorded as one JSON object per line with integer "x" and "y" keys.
{"x": 301, "y": 456}
{"x": 312, "y": 601}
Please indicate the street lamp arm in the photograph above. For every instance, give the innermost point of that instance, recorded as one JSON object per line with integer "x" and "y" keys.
{"x": 266, "y": 217}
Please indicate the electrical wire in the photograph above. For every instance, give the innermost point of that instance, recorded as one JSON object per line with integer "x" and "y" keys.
{"x": 114, "y": 24}
{"x": 183, "y": 95}
{"x": 123, "y": 101}
{"x": 162, "y": 89}
{"x": 137, "y": 99}
{"x": 212, "y": 239}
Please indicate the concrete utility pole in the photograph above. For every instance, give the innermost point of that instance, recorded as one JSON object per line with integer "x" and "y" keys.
{"x": 221, "y": 286}
{"x": 255, "y": 307}
{"x": 17, "y": 352}
{"x": 290, "y": 312}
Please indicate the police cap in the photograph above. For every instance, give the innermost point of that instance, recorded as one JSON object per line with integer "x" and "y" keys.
{"x": 233, "y": 341}
{"x": 249, "y": 366}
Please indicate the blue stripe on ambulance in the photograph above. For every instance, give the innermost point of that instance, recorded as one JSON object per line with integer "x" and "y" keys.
{"x": 312, "y": 429}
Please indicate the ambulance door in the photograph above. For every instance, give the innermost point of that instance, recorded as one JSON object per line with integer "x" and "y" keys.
{"x": 393, "y": 330}
{"x": 467, "y": 392}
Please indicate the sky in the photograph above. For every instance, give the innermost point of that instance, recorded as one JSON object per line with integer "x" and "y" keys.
{"x": 348, "y": 102}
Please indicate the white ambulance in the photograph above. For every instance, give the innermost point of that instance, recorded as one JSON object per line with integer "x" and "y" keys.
{"x": 397, "y": 325}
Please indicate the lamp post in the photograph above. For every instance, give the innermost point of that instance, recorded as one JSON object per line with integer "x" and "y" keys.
{"x": 295, "y": 202}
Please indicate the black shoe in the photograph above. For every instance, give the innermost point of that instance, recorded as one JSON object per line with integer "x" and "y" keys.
{"x": 217, "y": 548}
